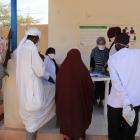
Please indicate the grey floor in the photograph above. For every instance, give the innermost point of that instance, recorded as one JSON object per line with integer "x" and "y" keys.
{"x": 97, "y": 127}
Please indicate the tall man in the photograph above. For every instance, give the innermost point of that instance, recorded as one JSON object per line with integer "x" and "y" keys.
{"x": 125, "y": 92}
{"x": 36, "y": 106}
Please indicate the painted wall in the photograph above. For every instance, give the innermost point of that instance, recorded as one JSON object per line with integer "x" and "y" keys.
{"x": 66, "y": 17}
{"x": 21, "y": 31}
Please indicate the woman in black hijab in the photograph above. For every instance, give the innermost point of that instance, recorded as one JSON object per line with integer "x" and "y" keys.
{"x": 74, "y": 97}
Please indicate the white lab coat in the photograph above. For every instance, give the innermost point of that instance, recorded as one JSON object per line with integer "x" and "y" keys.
{"x": 125, "y": 76}
{"x": 36, "y": 104}
{"x": 50, "y": 67}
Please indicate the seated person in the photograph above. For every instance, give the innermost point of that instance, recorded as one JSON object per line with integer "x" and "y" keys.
{"x": 98, "y": 63}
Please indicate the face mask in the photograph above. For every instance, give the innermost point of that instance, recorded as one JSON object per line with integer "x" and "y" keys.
{"x": 52, "y": 56}
{"x": 112, "y": 39}
{"x": 101, "y": 47}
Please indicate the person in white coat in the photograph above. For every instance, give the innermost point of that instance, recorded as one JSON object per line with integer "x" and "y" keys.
{"x": 37, "y": 107}
{"x": 51, "y": 67}
{"x": 50, "y": 64}
{"x": 124, "y": 98}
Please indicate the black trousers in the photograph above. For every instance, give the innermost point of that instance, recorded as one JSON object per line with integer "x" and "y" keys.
{"x": 118, "y": 129}
{"x": 99, "y": 90}
{"x": 31, "y": 136}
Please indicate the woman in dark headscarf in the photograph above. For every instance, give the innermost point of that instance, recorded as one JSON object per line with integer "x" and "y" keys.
{"x": 112, "y": 33}
{"x": 74, "y": 97}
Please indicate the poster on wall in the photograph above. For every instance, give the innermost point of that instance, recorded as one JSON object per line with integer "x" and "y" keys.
{"x": 132, "y": 33}
{"x": 89, "y": 34}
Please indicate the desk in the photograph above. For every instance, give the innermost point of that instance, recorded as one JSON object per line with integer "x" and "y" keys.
{"x": 105, "y": 79}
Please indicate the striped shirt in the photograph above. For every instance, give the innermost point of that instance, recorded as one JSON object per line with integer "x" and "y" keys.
{"x": 98, "y": 59}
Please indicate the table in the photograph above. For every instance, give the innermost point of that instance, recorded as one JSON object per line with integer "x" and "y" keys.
{"x": 105, "y": 79}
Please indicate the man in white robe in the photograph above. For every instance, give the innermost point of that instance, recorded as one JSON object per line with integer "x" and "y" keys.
{"x": 125, "y": 92}
{"x": 36, "y": 105}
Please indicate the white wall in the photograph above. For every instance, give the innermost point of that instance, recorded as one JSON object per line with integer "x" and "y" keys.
{"x": 65, "y": 16}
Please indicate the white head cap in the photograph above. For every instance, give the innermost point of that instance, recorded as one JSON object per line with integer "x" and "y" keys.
{"x": 34, "y": 32}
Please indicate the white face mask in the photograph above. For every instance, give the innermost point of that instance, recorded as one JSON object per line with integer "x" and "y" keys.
{"x": 52, "y": 56}
{"x": 101, "y": 47}
{"x": 112, "y": 39}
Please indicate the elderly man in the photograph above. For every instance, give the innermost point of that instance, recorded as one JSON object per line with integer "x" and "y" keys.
{"x": 36, "y": 106}
{"x": 98, "y": 62}
{"x": 124, "y": 99}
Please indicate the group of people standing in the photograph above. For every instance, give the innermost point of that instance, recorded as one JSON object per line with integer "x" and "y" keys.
{"x": 46, "y": 90}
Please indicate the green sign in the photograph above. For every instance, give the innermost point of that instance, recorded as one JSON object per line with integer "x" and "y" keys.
{"x": 93, "y": 27}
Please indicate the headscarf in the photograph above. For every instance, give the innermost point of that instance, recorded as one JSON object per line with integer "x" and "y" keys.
{"x": 74, "y": 95}
{"x": 122, "y": 40}
{"x": 113, "y": 32}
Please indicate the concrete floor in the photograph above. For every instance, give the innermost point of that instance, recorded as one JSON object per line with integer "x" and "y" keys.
{"x": 97, "y": 127}
{"x": 96, "y": 131}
